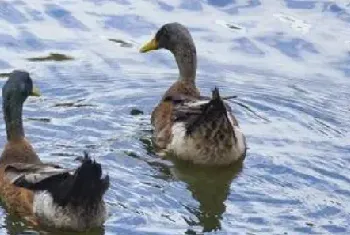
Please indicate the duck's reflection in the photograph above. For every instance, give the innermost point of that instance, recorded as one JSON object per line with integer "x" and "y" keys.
{"x": 14, "y": 225}
{"x": 210, "y": 187}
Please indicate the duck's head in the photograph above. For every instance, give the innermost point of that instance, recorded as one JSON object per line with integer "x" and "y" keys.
{"x": 18, "y": 87}
{"x": 170, "y": 36}
{"x": 176, "y": 38}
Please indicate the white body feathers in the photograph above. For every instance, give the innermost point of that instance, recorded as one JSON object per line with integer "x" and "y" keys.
{"x": 202, "y": 150}
{"x": 68, "y": 217}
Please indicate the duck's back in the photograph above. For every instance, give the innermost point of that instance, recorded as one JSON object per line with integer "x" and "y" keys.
{"x": 49, "y": 195}
{"x": 200, "y": 129}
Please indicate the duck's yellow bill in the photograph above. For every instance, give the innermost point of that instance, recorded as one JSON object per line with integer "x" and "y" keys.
{"x": 151, "y": 45}
{"x": 35, "y": 92}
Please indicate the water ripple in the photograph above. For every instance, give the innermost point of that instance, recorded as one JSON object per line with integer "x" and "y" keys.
{"x": 287, "y": 62}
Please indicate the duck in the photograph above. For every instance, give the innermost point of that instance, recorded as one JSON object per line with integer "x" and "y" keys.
{"x": 191, "y": 127}
{"x": 45, "y": 194}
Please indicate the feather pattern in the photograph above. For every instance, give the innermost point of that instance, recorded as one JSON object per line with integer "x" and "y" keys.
{"x": 205, "y": 131}
{"x": 60, "y": 194}
{"x": 195, "y": 128}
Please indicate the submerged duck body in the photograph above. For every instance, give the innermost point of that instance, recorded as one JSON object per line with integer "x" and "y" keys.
{"x": 192, "y": 127}
{"x": 45, "y": 194}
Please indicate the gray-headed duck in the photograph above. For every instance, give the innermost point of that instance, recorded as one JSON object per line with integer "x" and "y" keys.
{"x": 192, "y": 127}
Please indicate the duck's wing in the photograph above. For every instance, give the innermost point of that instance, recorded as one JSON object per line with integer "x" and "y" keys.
{"x": 34, "y": 176}
{"x": 81, "y": 186}
{"x": 197, "y": 112}
{"x": 189, "y": 104}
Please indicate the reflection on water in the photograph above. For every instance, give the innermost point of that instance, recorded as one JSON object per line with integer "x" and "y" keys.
{"x": 51, "y": 57}
{"x": 210, "y": 187}
{"x": 4, "y": 75}
{"x": 15, "y": 225}
{"x": 121, "y": 42}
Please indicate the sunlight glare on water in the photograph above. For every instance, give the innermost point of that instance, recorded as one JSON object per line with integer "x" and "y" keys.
{"x": 287, "y": 61}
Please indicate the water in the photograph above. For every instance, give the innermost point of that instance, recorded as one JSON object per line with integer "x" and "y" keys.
{"x": 288, "y": 62}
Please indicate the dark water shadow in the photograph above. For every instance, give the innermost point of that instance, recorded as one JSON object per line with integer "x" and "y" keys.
{"x": 4, "y": 75}
{"x": 51, "y": 57}
{"x": 210, "y": 186}
{"x": 38, "y": 119}
{"x": 74, "y": 104}
{"x": 15, "y": 225}
{"x": 121, "y": 42}
{"x": 162, "y": 166}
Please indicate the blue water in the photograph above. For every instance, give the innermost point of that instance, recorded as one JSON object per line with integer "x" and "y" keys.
{"x": 287, "y": 61}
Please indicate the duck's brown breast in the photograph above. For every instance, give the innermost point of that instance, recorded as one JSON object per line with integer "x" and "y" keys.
{"x": 20, "y": 151}
{"x": 17, "y": 200}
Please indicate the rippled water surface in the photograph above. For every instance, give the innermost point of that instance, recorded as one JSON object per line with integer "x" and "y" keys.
{"x": 287, "y": 61}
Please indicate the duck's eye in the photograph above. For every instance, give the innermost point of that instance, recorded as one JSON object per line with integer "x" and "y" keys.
{"x": 8, "y": 98}
{"x": 166, "y": 34}
{"x": 163, "y": 33}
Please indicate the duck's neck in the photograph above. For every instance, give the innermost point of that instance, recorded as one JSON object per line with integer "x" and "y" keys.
{"x": 13, "y": 119}
{"x": 186, "y": 59}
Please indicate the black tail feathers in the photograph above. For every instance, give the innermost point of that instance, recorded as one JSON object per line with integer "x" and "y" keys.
{"x": 215, "y": 94}
{"x": 83, "y": 188}
{"x": 210, "y": 112}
